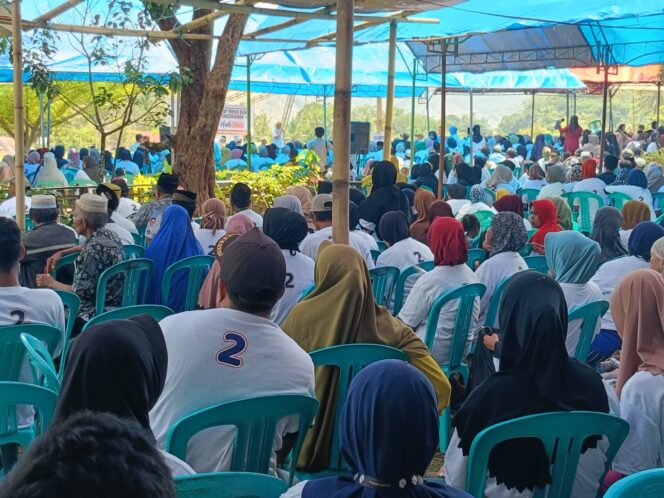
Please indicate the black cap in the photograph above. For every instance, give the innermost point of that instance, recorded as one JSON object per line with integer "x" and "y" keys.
{"x": 186, "y": 199}
{"x": 253, "y": 268}
{"x": 168, "y": 182}
{"x": 223, "y": 243}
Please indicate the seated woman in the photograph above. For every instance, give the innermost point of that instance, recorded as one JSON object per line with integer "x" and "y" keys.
{"x": 555, "y": 182}
{"x": 543, "y": 217}
{"x": 342, "y": 310}
{"x": 502, "y": 178}
{"x": 633, "y": 213}
{"x": 638, "y": 309}
{"x": 512, "y": 204}
{"x": 387, "y": 456}
{"x": 476, "y": 203}
{"x": 573, "y": 259}
{"x": 563, "y": 212}
{"x": 385, "y": 196}
{"x": 49, "y": 175}
{"x": 213, "y": 219}
{"x": 609, "y": 275}
{"x": 535, "y": 179}
{"x": 636, "y": 188}
{"x": 288, "y": 229}
{"x": 174, "y": 242}
{"x": 448, "y": 244}
{"x": 422, "y": 202}
{"x": 536, "y": 375}
{"x": 118, "y": 367}
{"x": 606, "y": 232}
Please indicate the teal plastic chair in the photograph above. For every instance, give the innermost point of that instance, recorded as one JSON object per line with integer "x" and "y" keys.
{"x": 526, "y": 250}
{"x": 255, "y": 420}
{"x": 383, "y": 281}
{"x": 70, "y": 174}
{"x": 660, "y": 219}
{"x": 590, "y": 314}
{"x": 582, "y": 216}
{"x": 349, "y": 359}
{"x": 41, "y": 363}
{"x": 618, "y": 199}
{"x": 12, "y": 351}
{"x": 381, "y": 245}
{"x": 374, "y": 255}
{"x": 67, "y": 260}
{"x": 646, "y": 484}
{"x": 307, "y": 291}
{"x": 530, "y": 194}
{"x": 658, "y": 200}
{"x": 474, "y": 256}
{"x": 537, "y": 263}
{"x": 133, "y": 251}
{"x": 139, "y": 239}
{"x": 134, "y": 271}
{"x": 229, "y": 485}
{"x": 494, "y": 304}
{"x": 156, "y": 311}
{"x": 492, "y": 194}
{"x": 198, "y": 267}
{"x": 71, "y": 303}
{"x": 484, "y": 217}
{"x": 400, "y": 288}
{"x": 16, "y": 393}
{"x": 562, "y": 434}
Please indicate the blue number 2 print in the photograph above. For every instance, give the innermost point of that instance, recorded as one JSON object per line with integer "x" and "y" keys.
{"x": 230, "y": 356}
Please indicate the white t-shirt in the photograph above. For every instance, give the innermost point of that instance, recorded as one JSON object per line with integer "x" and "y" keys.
{"x": 491, "y": 272}
{"x": 457, "y": 204}
{"x": 624, "y": 236}
{"x": 8, "y": 208}
{"x": 319, "y": 146}
{"x": 556, "y": 189}
{"x": 124, "y": 222}
{"x": 369, "y": 240}
{"x": 472, "y": 208}
{"x": 425, "y": 292}
{"x": 607, "y": 278}
{"x": 124, "y": 235}
{"x": 596, "y": 186}
{"x": 642, "y": 405}
{"x": 127, "y": 207}
{"x": 577, "y": 295}
{"x": 278, "y": 137}
{"x": 636, "y": 193}
{"x": 207, "y": 239}
{"x": 252, "y": 215}
{"x": 404, "y": 254}
{"x": 312, "y": 242}
{"x": 222, "y": 355}
{"x": 299, "y": 277}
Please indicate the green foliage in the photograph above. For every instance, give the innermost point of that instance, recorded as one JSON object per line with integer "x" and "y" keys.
{"x": 301, "y": 127}
{"x": 261, "y": 127}
{"x": 655, "y": 157}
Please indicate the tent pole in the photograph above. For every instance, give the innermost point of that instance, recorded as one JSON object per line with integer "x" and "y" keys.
{"x": 610, "y": 111}
{"x": 19, "y": 155}
{"x": 567, "y": 106}
{"x": 341, "y": 121}
{"x": 389, "y": 104}
{"x": 605, "y": 97}
{"x": 427, "y": 96}
{"x": 532, "y": 116}
{"x": 249, "y": 112}
{"x": 42, "y": 141}
{"x": 574, "y": 102}
{"x": 379, "y": 115}
{"x": 325, "y": 112}
{"x": 412, "y": 115}
{"x": 443, "y": 95}
{"x": 472, "y": 157}
{"x": 48, "y": 123}
{"x": 659, "y": 100}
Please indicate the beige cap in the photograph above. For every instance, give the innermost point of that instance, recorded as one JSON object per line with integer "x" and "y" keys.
{"x": 43, "y": 202}
{"x": 322, "y": 203}
{"x": 91, "y": 203}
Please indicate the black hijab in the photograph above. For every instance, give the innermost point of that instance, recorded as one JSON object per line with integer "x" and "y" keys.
{"x": 427, "y": 178}
{"x": 394, "y": 227}
{"x": 606, "y": 232}
{"x": 353, "y": 216}
{"x": 355, "y": 195}
{"x": 536, "y": 376}
{"x": 465, "y": 175}
{"x": 118, "y": 366}
{"x": 287, "y": 228}
{"x": 385, "y": 195}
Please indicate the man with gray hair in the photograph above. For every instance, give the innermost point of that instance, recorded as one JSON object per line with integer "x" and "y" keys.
{"x": 102, "y": 249}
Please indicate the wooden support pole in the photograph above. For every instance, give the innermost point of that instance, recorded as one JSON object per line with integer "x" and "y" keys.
{"x": 605, "y": 97}
{"x": 325, "y": 113}
{"x": 412, "y": 116}
{"x": 63, "y": 7}
{"x": 443, "y": 95}
{"x": 341, "y": 132}
{"x": 389, "y": 103}
{"x": 19, "y": 153}
{"x": 249, "y": 112}
{"x": 380, "y": 122}
{"x": 472, "y": 156}
{"x": 659, "y": 101}
{"x": 532, "y": 116}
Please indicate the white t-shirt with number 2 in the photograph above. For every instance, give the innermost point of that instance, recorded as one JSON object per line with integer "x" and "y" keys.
{"x": 299, "y": 278}
{"x": 221, "y": 355}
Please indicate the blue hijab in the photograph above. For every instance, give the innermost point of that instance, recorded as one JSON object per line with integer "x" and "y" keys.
{"x": 59, "y": 152}
{"x": 644, "y": 235}
{"x": 637, "y": 178}
{"x": 571, "y": 256}
{"x": 174, "y": 242}
{"x": 392, "y": 449}
{"x": 139, "y": 159}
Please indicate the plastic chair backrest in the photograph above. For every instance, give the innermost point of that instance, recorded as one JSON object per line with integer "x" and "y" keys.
{"x": 132, "y": 270}
{"x": 617, "y": 199}
{"x": 466, "y": 295}
{"x": 589, "y": 314}
{"x": 156, "y": 311}
{"x": 139, "y": 239}
{"x": 475, "y": 255}
{"x": 484, "y": 217}
{"x": 381, "y": 245}
{"x": 494, "y": 304}
{"x": 530, "y": 194}
{"x": 69, "y": 259}
{"x": 645, "y": 484}
{"x": 70, "y": 174}
{"x": 236, "y": 484}
{"x": 256, "y": 422}
{"x": 71, "y": 303}
{"x": 582, "y": 217}
{"x": 658, "y": 200}
{"x": 491, "y": 194}
{"x": 12, "y": 351}
{"x": 562, "y": 434}
{"x": 537, "y": 263}
{"x": 383, "y": 280}
{"x": 133, "y": 251}
{"x": 18, "y": 393}
{"x": 399, "y": 289}
{"x": 41, "y": 363}
{"x": 374, "y": 255}
{"x": 349, "y": 359}
{"x": 198, "y": 267}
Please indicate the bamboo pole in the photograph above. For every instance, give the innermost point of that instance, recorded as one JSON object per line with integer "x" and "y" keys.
{"x": 412, "y": 116}
{"x": 19, "y": 154}
{"x": 325, "y": 114}
{"x": 389, "y": 104}
{"x": 341, "y": 132}
{"x": 380, "y": 123}
{"x": 532, "y": 115}
{"x": 472, "y": 156}
{"x": 427, "y": 97}
{"x": 249, "y": 112}
{"x": 443, "y": 96}
{"x": 60, "y": 9}
{"x": 659, "y": 100}
{"x": 605, "y": 96}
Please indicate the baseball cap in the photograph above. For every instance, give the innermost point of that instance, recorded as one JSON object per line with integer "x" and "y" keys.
{"x": 322, "y": 203}
{"x": 253, "y": 268}
{"x": 223, "y": 244}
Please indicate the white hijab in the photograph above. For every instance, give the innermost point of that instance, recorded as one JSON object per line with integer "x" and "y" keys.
{"x": 49, "y": 173}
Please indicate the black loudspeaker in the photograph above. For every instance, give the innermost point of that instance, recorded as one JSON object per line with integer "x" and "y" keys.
{"x": 165, "y": 133}
{"x": 359, "y": 137}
